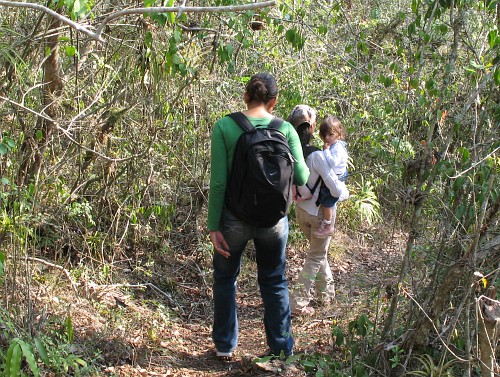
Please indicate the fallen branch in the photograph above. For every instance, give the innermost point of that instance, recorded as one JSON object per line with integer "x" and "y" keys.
{"x": 58, "y": 267}
{"x": 143, "y": 285}
{"x": 97, "y": 35}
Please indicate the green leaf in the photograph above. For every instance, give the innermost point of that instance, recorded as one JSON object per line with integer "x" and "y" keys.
{"x": 3, "y": 149}
{"x": 69, "y": 328}
{"x": 322, "y": 29}
{"x": 496, "y": 76}
{"x": 412, "y": 29}
{"x": 292, "y": 359}
{"x": 148, "y": 39}
{"x": 290, "y": 35}
{"x": 80, "y": 361}
{"x": 430, "y": 84}
{"x": 230, "y": 49}
{"x": 361, "y": 46}
{"x": 10, "y": 143}
{"x": 176, "y": 59}
{"x": 70, "y": 50}
{"x": 465, "y": 154}
{"x": 414, "y": 83}
{"x": 13, "y": 359}
{"x": 31, "y": 189}
{"x": 264, "y": 359}
{"x": 170, "y": 15}
{"x": 39, "y": 135}
{"x": 414, "y": 6}
{"x": 2, "y": 260}
{"x": 42, "y": 352}
{"x": 77, "y": 7}
{"x": 30, "y": 358}
{"x": 294, "y": 37}
{"x": 307, "y": 363}
{"x": 493, "y": 38}
{"x": 477, "y": 66}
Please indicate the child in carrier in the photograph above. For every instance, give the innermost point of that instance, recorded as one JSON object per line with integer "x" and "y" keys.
{"x": 332, "y": 132}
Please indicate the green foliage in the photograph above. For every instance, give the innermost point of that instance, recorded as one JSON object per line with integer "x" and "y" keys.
{"x": 429, "y": 369}
{"x": 363, "y": 205}
{"x": 77, "y": 8}
{"x": 320, "y": 365}
{"x": 53, "y": 350}
{"x": 6, "y": 145}
{"x": 360, "y": 326}
{"x": 353, "y": 344}
{"x": 17, "y": 349}
{"x": 295, "y": 38}
{"x": 396, "y": 358}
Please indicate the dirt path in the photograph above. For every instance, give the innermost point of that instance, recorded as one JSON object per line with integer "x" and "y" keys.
{"x": 143, "y": 341}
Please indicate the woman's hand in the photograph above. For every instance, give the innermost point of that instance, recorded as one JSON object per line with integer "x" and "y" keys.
{"x": 220, "y": 244}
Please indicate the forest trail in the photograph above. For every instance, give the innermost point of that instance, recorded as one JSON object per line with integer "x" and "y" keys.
{"x": 141, "y": 342}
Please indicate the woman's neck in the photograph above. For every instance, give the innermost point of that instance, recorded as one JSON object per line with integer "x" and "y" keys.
{"x": 260, "y": 110}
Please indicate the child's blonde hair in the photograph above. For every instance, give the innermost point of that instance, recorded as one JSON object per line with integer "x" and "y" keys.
{"x": 332, "y": 125}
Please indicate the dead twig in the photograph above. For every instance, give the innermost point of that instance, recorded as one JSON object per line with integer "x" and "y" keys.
{"x": 58, "y": 267}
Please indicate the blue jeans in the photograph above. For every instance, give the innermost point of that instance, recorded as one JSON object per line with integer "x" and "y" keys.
{"x": 270, "y": 245}
{"x": 325, "y": 198}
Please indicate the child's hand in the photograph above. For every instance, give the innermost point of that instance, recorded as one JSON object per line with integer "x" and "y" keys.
{"x": 326, "y": 145}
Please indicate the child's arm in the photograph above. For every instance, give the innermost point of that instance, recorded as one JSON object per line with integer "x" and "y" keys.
{"x": 336, "y": 157}
{"x": 332, "y": 157}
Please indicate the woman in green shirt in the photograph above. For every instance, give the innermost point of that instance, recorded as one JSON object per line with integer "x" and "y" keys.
{"x": 230, "y": 235}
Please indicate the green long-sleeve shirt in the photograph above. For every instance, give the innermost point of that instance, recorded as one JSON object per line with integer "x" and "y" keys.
{"x": 224, "y": 137}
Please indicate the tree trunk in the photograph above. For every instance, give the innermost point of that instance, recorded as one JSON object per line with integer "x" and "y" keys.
{"x": 35, "y": 144}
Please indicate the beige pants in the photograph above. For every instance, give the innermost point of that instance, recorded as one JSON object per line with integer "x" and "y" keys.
{"x": 316, "y": 271}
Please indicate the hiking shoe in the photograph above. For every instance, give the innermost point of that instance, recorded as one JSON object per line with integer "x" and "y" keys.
{"x": 325, "y": 230}
{"x": 224, "y": 355}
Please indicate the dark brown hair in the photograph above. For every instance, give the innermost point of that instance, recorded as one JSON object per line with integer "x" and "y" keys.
{"x": 262, "y": 87}
{"x": 332, "y": 125}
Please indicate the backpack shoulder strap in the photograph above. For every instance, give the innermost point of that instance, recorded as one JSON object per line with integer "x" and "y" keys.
{"x": 275, "y": 123}
{"x": 307, "y": 150}
{"x": 242, "y": 121}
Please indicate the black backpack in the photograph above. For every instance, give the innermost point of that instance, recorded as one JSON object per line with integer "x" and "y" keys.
{"x": 259, "y": 187}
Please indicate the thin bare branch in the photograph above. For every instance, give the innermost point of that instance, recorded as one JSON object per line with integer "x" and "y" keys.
{"x": 70, "y": 137}
{"x": 97, "y": 35}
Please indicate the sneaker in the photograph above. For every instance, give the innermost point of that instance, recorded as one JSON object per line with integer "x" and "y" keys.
{"x": 325, "y": 230}
{"x": 224, "y": 355}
